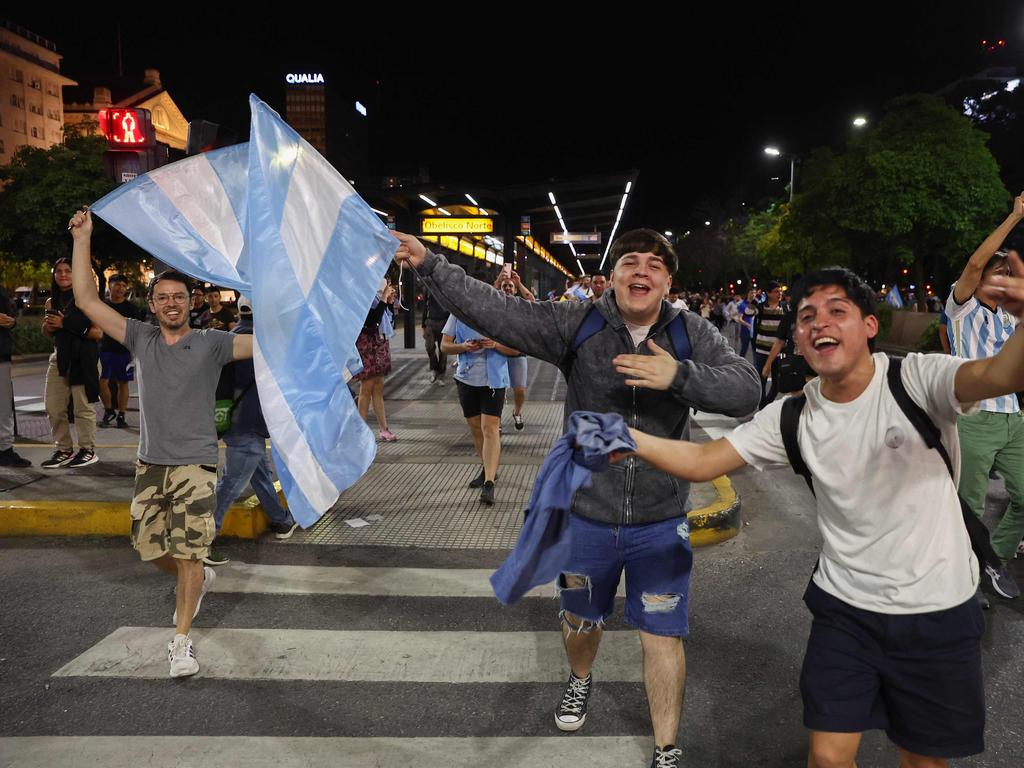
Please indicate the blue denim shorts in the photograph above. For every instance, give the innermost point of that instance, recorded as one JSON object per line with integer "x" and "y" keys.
{"x": 657, "y": 559}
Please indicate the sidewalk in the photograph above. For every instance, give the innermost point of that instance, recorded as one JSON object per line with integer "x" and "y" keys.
{"x": 415, "y": 494}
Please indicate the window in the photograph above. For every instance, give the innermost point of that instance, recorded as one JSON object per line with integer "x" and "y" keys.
{"x": 17, "y": 75}
{"x": 34, "y": 83}
{"x": 160, "y": 118}
{"x": 35, "y": 133}
{"x": 36, "y": 109}
{"x": 19, "y": 125}
{"x": 17, "y": 101}
{"x": 52, "y": 89}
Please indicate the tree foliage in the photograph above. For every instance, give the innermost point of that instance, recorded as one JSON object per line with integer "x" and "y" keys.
{"x": 918, "y": 188}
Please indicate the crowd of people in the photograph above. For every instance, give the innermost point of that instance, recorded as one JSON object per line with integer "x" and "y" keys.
{"x": 895, "y": 598}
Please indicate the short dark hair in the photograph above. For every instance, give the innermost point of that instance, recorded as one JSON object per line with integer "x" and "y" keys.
{"x": 644, "y": 241}
{"x": 118, "y": 278}
{"x": 169, "y": 274}
{"x": 599, "y": 274}
{"x": 772, "y": 285}
{"x": 857, "y": 290}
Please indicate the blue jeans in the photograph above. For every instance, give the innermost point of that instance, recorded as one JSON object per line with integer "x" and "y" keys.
{"x": 245, "y": 460}
{"x": 657, "y": 559}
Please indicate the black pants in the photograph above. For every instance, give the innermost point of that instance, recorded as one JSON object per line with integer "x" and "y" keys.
{"x": 432, "y": 338}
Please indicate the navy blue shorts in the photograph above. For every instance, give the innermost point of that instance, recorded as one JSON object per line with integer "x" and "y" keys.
{"x": 657, "y": 559}
{"x": 116, "y": 366}
{"x": 917, "y": 676}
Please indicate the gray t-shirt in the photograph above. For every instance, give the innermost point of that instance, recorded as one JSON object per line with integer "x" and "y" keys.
{"x": 177, "y": 386}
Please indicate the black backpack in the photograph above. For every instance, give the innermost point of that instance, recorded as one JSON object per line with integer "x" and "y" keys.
{"x": 790, "y": 420}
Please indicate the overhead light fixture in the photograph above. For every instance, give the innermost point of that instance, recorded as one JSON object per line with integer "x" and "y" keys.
{"x": 551, "y": 197}
{"x": 773, "y": 151}
{"x": 380, "y": 213}
{"x": 629, "y": 185}
{"x": 470, "y": 198}
{"x": 446, "y": 213}
{"x": 578, "y": 264}
{"x": 668, "y": 233}
{"x": 615, "y": 226}
{"x": 428, "y": 201}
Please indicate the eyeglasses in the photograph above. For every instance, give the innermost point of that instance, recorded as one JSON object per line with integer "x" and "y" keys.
{"x": 164, "y": 298}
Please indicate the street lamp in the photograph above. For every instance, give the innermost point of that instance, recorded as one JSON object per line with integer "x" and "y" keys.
{"x": 776, "y": 152}
{"x": 859, "y": 122}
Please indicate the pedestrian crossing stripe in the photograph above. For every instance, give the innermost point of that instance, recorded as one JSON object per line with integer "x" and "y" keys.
{"x": 355, "y": 656}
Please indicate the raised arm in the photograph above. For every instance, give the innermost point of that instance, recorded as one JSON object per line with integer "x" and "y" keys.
{"x": 539, "y": 329}
{"x": 87, "y": 299}
{"x": 1001, "y": 374}
{"x": 696, "y": 462}
{"x": 241, "y": 346}
{"x": 971, "y": 276}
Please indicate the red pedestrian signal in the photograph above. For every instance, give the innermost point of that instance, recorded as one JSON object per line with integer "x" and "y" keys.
{"x": 127, "y": 128}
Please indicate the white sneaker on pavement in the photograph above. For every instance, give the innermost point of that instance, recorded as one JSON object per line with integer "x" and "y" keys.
{"x": 182, "y": 656}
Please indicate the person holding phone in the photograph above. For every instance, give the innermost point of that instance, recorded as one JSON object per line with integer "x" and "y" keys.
{"x": 375, "y": 352}
{"x": 72, "y": 373}
{"x": 481, "y": 376}
{"x": 511, "y": 284}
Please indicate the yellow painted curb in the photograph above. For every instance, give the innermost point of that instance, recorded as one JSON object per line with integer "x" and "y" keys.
{"x": 718, "y": 521}
{"x": 104, "y": 518}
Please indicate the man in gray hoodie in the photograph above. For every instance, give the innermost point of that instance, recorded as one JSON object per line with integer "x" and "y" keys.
{"x": 632, "y": 517}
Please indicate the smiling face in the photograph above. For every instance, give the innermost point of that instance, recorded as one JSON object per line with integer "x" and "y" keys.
{"x": 62, "y": 275}
{"x": 118, "y": 291}
{"x": 832, "y": 333}
{"x": 170, "y": 304}
{"x": 640, "y": 281}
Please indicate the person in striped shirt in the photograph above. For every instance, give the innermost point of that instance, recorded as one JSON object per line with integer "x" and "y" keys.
{"x": 993, "y": 437}
{"x": 766, "y": 329}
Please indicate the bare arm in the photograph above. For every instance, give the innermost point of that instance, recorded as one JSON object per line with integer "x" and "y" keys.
{"x": 1004, "y": 373}
{"x": 971, "y": 276}
{"x": 449, "y": 347}
{"x": 241, "y": 348}
{"x": 696, "y": 462}
{"x": 87, "y": 299}
{"x": 776, "y": 348}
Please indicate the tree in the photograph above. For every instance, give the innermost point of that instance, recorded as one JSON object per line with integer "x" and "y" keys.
{"x": 918, "y": 188}
{"x": 40, "y": 190}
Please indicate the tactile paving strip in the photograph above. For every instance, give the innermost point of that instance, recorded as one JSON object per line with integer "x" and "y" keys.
{"x": 427, "y": 505}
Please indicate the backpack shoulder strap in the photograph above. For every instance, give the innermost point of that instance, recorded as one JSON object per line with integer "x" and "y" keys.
{"x": 592, "y": 323}
{"x": 680, "y": 337}
{"x": 789, "y": 422}
{"x": 916, "y": 414}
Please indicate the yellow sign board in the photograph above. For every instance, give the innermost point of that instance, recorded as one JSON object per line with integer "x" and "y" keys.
{"x": 450, "y": 225}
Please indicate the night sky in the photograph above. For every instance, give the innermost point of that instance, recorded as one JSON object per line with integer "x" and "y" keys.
{"x": 690, "y": 99}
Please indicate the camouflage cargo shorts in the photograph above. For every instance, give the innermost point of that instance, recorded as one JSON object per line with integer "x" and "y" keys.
{"x": 172, "y": 510}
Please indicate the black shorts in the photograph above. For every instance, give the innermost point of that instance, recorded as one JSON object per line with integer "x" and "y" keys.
{"x": 477, "y": 400}
{"x": 917, "y": 676}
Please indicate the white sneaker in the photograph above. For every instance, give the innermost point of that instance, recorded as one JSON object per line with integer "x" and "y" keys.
{"x": 208, "y": 578}
{"x": 182, "y": 656}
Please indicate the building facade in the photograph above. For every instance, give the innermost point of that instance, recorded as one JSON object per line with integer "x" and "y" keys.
{"x": 31, "y": 101}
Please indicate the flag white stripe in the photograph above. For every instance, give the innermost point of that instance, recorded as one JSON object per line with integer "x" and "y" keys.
{"x": 315, "y": 194}
{"x": 291, "y": 443}
{"x": 195, "y": 189}
{"x": 325, "y": 752}
{"x": 367, "y": 656}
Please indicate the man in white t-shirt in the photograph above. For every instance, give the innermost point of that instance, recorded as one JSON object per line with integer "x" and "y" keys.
{"x": 895, "y": 640}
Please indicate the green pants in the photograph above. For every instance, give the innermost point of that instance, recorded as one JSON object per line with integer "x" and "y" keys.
{"x": 987, "y": 441}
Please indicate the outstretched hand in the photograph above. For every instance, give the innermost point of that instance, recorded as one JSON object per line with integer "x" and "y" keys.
{"x": 654, "y": 371}
{"x": 1008, "y": 291}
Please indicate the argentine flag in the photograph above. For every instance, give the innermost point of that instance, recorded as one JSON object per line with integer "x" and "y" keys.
{"x": 893, "y": 298}
{"x": 273, "y": 219}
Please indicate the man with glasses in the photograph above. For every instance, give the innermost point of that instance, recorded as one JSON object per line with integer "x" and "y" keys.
{"x": 178, "y": 368}
{"x": 198, "y": 309}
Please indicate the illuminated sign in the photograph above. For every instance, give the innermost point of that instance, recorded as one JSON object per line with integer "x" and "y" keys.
{"x": 449, "y": 225}
{"x": 126, "y": 127}
{"x": 587, "y": 238}
{"x": 360, "y": 109}
{"x": 314, "y": 79}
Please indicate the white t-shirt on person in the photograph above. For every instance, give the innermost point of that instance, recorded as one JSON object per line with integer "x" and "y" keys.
{"x": 638, "y": 333}
{"x": 894, "y": 539}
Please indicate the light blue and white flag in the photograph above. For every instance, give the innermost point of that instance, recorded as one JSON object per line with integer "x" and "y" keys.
{"x": 893, "y": 298}
{"x": 273, "y": 219}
